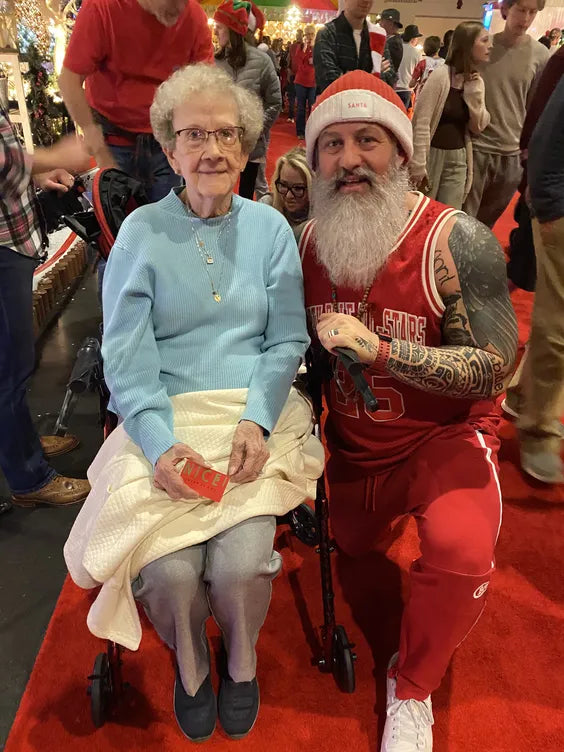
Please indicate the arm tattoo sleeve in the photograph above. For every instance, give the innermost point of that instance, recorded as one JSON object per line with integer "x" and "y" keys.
{"x": 479, "y": 326}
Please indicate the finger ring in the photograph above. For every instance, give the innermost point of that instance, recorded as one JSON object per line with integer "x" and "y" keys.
{"x": 332, "y": 332}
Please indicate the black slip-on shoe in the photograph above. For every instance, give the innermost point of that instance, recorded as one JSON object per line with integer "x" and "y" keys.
{"x": 238, "y": 706}
{"x": 196, "y": 715}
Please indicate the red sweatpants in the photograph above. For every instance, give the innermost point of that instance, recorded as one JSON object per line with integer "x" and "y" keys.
{"x": 450, "y": 485}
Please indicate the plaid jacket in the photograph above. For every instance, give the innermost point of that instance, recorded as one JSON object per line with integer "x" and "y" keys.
{"x": 21, "y": 227}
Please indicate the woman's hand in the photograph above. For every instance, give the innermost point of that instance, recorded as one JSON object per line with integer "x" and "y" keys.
{"x": 248, "y": 452}
{"x": 168, "y": 479}
{"x": 341, "y": 330}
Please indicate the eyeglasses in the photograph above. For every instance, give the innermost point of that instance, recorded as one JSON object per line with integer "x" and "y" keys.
{"x": 298, "y": 190}
{"x": 194, "y": 139}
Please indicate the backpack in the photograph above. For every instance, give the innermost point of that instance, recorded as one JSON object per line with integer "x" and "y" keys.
{"x": 114, "y": 195}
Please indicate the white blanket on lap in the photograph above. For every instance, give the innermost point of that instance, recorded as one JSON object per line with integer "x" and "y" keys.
{"x": 126, "y": 522}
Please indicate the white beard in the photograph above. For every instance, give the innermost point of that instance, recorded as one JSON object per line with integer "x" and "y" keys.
{"x": 356, "y": 232}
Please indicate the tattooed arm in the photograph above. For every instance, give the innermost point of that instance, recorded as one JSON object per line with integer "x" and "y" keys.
{"x": 479, "y": 326}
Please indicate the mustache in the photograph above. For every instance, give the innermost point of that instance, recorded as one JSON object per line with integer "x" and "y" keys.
{"x": 342, "y": 176}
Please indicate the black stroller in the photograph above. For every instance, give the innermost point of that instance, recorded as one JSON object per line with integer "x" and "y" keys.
{"x": 115, "y": 195}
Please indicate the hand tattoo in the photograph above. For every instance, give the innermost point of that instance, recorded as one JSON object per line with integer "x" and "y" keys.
{"x": 368, "y": 346}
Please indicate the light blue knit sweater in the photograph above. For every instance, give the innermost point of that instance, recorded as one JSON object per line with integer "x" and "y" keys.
{"x": 164, "y": 334}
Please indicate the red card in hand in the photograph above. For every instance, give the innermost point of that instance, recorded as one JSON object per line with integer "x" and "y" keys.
{"x": 206, "y": 481}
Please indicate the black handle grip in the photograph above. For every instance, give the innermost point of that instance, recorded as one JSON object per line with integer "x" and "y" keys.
{"x": 355, "y": 368}
{"x": 84, "y": 224}
{"x": 88, "y": 359}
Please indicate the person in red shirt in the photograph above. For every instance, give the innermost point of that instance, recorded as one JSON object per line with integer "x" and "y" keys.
{"x": 418, "y": 290}
{"x": 304, "y": 80}
{"x": 123, "y": 50}
{"x": 295, "y": 45}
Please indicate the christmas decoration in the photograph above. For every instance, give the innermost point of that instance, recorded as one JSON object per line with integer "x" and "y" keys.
{"x": 48, "y": 116}
{"x": 33, "y": 25}
{"x": 293, "y": 20}
{"x": 8, "y": 25}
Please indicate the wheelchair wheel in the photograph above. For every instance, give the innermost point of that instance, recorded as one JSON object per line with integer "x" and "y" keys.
{"x": 100, "y": 690}
{"x": 304, "y": 525}
{"x": 343, "y": 661}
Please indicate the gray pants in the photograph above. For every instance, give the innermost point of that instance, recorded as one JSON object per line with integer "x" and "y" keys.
{"x": 229, "y": 577}
{"x": 261, "y": 185}
{"x": 446, "y": 172}
{"x": 496, "y": 178}
{"x": 537, "y": 388}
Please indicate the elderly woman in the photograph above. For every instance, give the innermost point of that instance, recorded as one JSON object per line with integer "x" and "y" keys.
{"x": 204, "y": 330}
{"x": 291, "y": 188}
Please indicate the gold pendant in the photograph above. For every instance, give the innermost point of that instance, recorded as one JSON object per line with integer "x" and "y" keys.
{"x": 217, "y": 297}
{"x": 209, "y": 260}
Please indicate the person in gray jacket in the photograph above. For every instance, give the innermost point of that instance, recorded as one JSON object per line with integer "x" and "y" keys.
{"x": 251, "y": 69}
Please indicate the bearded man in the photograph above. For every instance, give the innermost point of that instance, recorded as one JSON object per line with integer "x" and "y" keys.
{"x": 419, "y": 291}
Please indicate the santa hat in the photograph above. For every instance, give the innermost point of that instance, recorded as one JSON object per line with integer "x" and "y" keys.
{"x": 234, "y": 14}
{"x": 359, "y": 96}
{"x": 257, "y": 19}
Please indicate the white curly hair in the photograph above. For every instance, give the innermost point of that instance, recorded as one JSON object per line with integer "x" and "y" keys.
{"x": 187, "y": 83}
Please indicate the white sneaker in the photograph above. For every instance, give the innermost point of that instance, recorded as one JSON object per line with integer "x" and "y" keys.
{"x": 408, "y": 722}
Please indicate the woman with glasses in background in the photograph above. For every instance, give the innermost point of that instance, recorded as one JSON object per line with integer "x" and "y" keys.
{"x": 204, "y": 330}
{"x": 291, "y": 188}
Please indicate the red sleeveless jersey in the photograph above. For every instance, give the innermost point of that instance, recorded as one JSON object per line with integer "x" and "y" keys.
{"x": 404, "y": 303}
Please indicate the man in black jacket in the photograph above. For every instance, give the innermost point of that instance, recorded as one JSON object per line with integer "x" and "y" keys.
{"x": 343, "y": 45}
{"x": 390, "y": 22}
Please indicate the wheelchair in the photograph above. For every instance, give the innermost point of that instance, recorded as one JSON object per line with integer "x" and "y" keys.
{"x": 311, "y": 526}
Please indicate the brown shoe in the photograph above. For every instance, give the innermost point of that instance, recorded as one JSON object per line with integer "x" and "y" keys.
{"x": 55, "y": 445}
{"x": 58, "y": 492}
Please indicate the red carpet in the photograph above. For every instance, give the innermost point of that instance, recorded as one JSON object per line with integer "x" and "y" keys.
{"x": 503, "y": 693}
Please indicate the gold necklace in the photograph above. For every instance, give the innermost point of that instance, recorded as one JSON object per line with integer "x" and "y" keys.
{"x": 207, "y": 258}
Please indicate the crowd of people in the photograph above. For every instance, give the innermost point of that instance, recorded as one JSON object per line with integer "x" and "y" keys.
{"x": 375, "y": 234}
